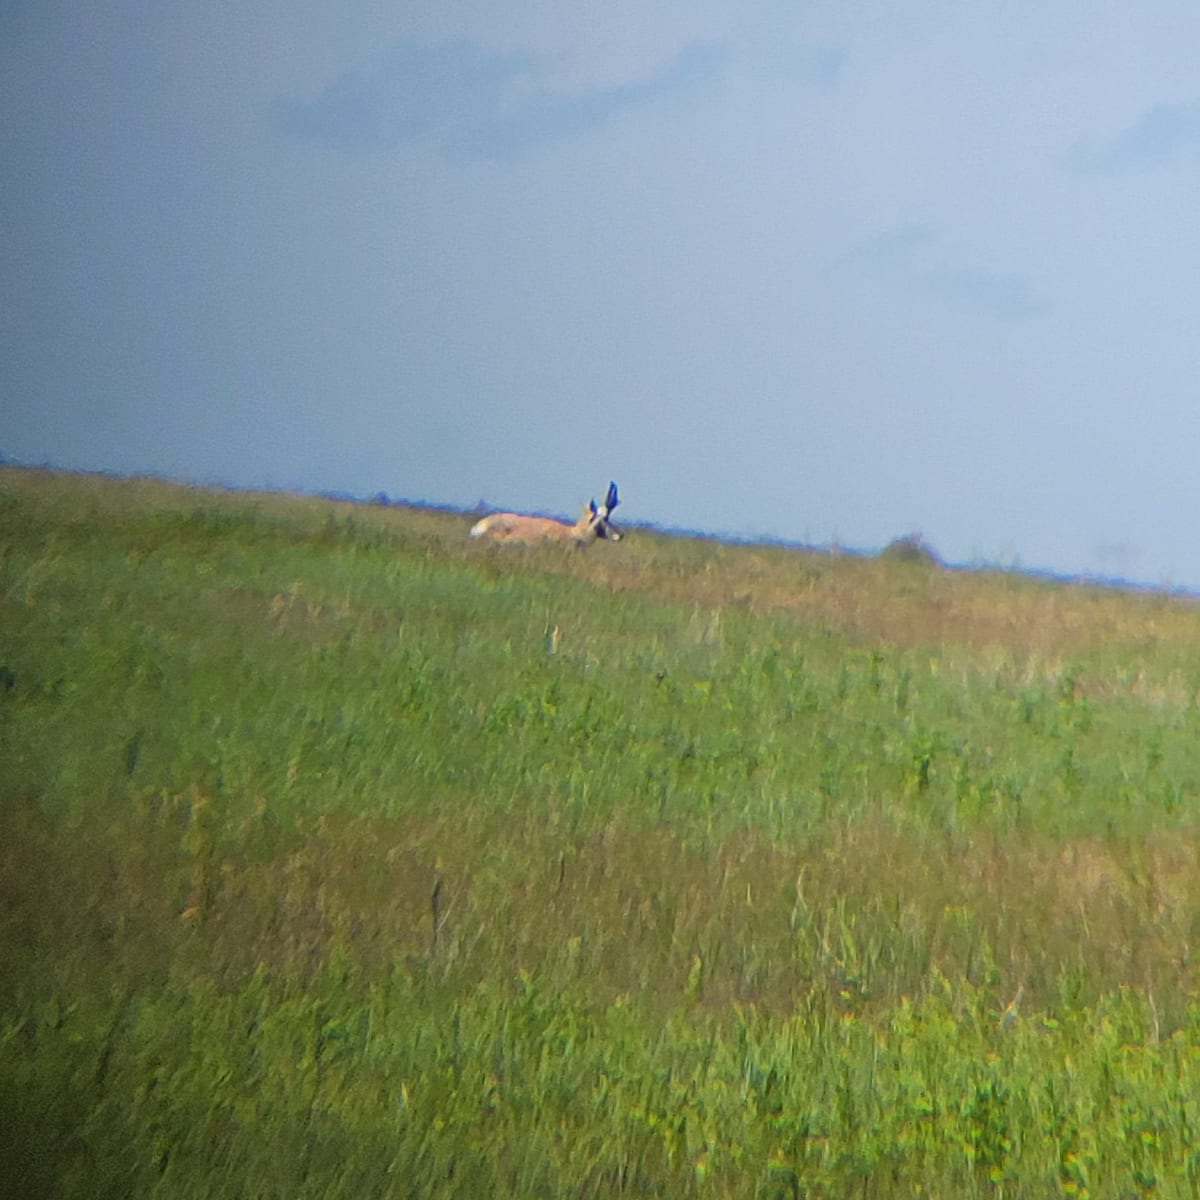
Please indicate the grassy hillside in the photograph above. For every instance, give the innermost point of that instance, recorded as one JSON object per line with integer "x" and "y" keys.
{"x": 341, "y": 856}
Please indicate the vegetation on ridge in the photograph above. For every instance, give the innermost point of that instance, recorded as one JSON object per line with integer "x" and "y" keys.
{"x": 340, "y": 857}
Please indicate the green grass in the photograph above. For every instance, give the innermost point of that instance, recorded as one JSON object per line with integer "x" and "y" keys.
{"x": 341, "y": 856}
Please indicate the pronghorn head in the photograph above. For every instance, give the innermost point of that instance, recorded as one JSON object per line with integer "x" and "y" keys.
{"x": 596, "y": 520}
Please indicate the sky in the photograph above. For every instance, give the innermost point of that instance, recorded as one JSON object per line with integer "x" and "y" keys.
{"x": 821, "y": 272}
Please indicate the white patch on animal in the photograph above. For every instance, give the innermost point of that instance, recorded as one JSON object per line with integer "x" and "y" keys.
{"x": 514, "y": 527}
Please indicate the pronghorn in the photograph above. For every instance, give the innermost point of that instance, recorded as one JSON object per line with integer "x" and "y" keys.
{"x": 513, "y": 527}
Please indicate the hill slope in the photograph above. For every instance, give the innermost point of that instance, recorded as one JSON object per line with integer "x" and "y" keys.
{"x": 343, "y": 856}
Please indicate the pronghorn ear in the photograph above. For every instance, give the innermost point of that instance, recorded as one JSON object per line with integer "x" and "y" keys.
{"x": 592, "y": 506}
{"x": 611, "y": 501}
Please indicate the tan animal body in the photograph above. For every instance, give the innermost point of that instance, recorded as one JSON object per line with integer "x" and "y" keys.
{"x": 514, "y": 527}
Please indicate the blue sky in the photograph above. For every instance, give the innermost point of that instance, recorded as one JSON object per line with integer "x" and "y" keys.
{"x": 820, "y": 272}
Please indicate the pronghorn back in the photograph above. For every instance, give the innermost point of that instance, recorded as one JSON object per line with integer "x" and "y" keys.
{"x": 516, "y": 527}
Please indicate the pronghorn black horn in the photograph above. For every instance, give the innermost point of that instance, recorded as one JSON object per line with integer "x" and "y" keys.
{"x": 611, "y": 501}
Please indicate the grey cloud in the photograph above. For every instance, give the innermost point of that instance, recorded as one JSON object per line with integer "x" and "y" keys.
{"x": 823, "y": 65}
{"x": 792, "y": 61}
{"x": 548, "y": 115}
{"x": 411, "y": 92}
{"x": 460, "y": 96}
{"x": 887, "y": 249}
{"x": 988, "y": 293}
{"x": 1162, "y": 133}
{"x": 895, "y": 256}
